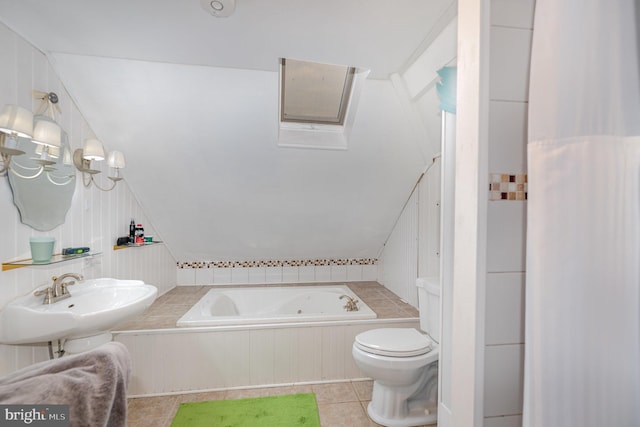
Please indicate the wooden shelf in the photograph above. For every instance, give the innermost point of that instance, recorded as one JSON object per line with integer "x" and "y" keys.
{"x": 55, "y": 259}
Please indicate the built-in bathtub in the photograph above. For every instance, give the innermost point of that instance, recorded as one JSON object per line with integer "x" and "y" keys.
{"x": 250, "y": 305}
{"x": 169, "y": 359}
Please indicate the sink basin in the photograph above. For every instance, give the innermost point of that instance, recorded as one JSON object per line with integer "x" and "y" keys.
{"x": 95, "y": 306}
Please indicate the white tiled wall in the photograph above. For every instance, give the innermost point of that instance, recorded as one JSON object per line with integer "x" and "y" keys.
{"x": 280, "y": 274}
{"x": 506, "y": 226}
{"x": 95, "y": 219}
{"x": 511, "y": 32}
{"x": 503, "y": 367}
{"x": 512, "y": 13}
{"x": 507, "y": 123}
{"x": 510, "y": 51}
{"x": 503, "y": 421}
{"x": 505, "y": 308}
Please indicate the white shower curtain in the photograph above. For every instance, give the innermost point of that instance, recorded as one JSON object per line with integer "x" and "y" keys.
{"x": 582, "y": 351}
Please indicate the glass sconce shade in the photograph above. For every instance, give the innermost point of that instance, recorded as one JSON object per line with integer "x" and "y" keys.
{"x": 47, "y": 133}
{"x": 93, "y": 150}
{"x": 116, "y": 160}
{"x": 16, "y": 120}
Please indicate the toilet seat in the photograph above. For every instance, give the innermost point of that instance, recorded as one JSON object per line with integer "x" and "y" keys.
{"x": 394, "y": 342}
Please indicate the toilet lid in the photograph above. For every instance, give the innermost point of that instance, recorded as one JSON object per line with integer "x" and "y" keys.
{"x": 395, "y": 342}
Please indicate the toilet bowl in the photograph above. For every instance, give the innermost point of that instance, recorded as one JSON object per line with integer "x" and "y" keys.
{"x": 405, "y": 376}
{"x": 403, "y": 363}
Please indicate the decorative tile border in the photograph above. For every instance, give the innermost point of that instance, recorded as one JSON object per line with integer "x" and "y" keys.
{"x": 276, "y": 263}
{"x": 503, "y": 186}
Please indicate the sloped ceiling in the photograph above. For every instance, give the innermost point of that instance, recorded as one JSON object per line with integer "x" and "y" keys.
{"x": 192, "y": 101}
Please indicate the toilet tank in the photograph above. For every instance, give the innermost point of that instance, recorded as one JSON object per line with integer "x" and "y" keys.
{"x": 429, "y": 305}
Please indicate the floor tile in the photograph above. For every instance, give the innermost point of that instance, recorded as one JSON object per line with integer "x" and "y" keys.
{"x": 342, "y": 414}
{"x": 140, "y": 411}
{"x": 339, "y": 404}
{"x": 248, "y": 392}
{"x": 363, "y": 389}
{"x": 335, "y": 393}
{"x": 201, "y": 397}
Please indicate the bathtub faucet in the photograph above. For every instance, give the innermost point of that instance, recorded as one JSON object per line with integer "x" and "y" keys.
{"x": 351, "y": 305}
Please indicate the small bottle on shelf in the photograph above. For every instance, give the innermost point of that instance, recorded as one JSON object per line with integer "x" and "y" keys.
{"x": 132, "y": 231}
{"x": 139, "y": 234}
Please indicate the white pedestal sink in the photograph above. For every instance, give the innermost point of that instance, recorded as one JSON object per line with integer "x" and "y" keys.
{"x": 82, "y": 320}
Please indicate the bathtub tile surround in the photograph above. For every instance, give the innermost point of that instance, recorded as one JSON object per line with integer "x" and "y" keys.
{"x": 168, "y": 308}
{"x": 276, "y": 271}
{"x": 507, "y": 187}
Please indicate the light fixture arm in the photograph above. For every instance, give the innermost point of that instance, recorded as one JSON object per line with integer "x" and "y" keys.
{"x": 37, "y": 174}
{"x": 113, "y": 185}
{"x": 54, "y": 182}
{"x": 6, "y": 159}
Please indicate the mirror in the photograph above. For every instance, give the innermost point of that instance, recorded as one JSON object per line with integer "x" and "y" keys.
{"x": 43, "y": 183}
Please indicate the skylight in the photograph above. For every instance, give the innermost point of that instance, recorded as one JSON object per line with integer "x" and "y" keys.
{"x": 314, "y": 93}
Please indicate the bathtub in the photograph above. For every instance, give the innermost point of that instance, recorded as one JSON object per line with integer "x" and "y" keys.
{"x": 263, "y": 305}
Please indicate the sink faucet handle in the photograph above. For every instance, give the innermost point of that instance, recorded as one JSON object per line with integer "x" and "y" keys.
{"x": 48, "y": 295}
{"x": 44, "y": 291}
{"x": 64, "y": 285}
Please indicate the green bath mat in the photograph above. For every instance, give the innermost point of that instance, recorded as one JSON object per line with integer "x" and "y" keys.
{"x": 273, "y": 411}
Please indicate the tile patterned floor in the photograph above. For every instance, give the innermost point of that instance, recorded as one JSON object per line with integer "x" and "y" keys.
{"x": 342, "y": 404}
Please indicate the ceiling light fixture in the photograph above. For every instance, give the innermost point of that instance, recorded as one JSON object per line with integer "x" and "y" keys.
{"x": 219, "y": 8}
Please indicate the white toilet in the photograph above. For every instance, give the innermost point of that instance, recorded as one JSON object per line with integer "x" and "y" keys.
{"x": 403, "y": 363}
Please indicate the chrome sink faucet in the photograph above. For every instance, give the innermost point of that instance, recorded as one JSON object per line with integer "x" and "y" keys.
{"x": 58, "y": 290}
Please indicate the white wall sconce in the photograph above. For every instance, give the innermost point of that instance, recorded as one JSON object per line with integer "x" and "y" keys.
{"x": 15, "y": 122}
{"x": 42, "y": 129}
{"x": 94, "y": 151}
{"x": 47, "y": 136}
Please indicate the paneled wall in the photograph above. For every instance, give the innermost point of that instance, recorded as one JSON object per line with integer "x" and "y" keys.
{"x": 95, "y": 219}
{"x": 222, "y": 357}
{"x": 413, "y": 247}
{"x": 510, "y": 50}
{"x": 399, "y": 260}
